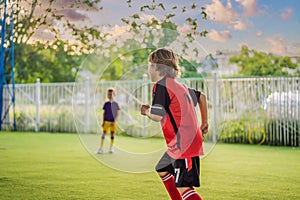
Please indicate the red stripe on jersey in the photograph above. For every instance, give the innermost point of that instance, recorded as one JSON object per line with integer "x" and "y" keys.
{"x": 189, "y": 163}
{"x": 187, "y": 142}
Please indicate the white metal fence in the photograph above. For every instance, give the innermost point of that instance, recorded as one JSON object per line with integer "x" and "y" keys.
{"x": 262, "y": 110}
{"x": 243, "y": 110}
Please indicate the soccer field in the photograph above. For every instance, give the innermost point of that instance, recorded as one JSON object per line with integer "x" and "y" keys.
{"x": 57, "y": 166}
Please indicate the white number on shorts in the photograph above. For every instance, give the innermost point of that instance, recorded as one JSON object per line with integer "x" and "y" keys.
{"x": 177, "y": 172}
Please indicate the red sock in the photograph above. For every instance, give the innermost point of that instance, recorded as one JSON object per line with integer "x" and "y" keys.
{"x": 168, "y": 181}
{"x": 191, "y": 194}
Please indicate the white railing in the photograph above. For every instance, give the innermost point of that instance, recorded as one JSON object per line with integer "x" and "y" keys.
{"x": 243, "y": 110}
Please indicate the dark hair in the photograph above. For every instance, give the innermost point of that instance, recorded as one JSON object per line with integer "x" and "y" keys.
{"x": 111, "y": 90}
{"x": 166, "y": 62}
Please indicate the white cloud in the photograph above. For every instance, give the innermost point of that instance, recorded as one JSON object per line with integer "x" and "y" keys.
{"x": 115, "y": 30}
{"x": 225, "y": 14}
{"x": 221, "y": 36}
{"x": 220, "y": 13}
{"x": 259, "y": 33}
{"x": 239, "y": 25}
{"x": 249, "y": 6}
{"x": 119, "y": 30}
{"x": 277, "y": 45}
{"x": 185, "y": 29}
{"x": 287, "y": 14}
{"x": 147, "y": 18}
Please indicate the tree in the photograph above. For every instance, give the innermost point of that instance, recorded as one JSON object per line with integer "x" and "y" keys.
{"x": 254, "y": 63}
{"x": 48, "y": 64}
{"x": 51, "y": 17}
{"x": 52, "y": 58}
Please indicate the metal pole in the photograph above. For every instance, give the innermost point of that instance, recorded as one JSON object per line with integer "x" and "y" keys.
{"x": 215, "y": 122}
{"x": 37, "y": 103}
{"x": 12, "y": 50}
{"x": 87, "y": 108}
{"x": 2, "y": 66}
{"x": 144, "y": 100}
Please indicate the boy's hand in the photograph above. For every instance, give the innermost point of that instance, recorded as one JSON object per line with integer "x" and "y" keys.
{"x": 204, "y": 127}
{"x": 145, "y": 109}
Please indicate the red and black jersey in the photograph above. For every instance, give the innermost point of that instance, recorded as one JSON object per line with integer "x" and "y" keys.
{"x": 175, "y": 102}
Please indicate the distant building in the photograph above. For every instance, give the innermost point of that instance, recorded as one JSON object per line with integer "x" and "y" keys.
{"x": 224, "y": 68}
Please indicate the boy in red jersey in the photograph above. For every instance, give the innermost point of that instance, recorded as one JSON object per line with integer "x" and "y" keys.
{"x": 173, "y": 105}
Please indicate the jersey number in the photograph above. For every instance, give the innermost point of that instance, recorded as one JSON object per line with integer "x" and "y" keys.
{"x": 177, "y": 172}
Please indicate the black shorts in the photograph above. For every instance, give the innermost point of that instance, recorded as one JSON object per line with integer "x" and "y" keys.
{"x": 179, "y": 168}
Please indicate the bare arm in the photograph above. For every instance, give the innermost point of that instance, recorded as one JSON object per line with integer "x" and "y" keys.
{"x": 145, "y": 110}
{"x": 103, "y": 118}
{"x": 117, "y": 115}
{"x": 204, "y": 113}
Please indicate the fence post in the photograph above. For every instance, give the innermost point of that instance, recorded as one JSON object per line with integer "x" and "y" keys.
{"x": 214, "y": 107}
{"x": 144, "y": 100}
{"x": 37, "y": 104}
{"x": 87, "y": 108}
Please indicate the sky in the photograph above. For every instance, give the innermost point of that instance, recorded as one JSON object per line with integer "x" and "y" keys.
{"x": 264, "y": 25}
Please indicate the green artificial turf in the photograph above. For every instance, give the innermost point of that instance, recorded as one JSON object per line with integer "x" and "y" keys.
{"x": 58, "y": 166}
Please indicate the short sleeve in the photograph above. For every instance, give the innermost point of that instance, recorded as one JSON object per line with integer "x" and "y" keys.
{"x": 118, "y": 107}
{"x": 160, "y": 100}
{"x": 195, "y": 94}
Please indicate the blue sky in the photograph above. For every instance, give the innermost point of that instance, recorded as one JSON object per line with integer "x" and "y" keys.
{"x": 263, "y": 25}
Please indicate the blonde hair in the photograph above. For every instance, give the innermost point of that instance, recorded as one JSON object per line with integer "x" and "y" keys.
{"x": 166, "y": 62}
